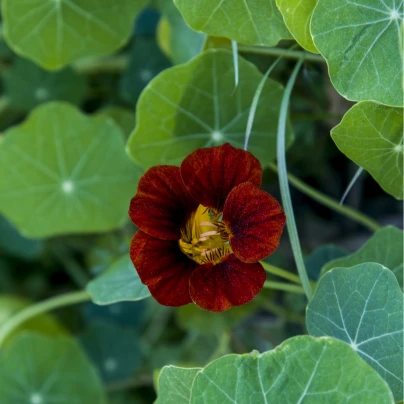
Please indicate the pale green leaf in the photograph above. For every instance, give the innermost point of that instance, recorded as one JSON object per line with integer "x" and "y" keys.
{"x": 362, "y": 43}
{"x": 54, "y": 33}
{"x": 303, "y": 369}
{"x": 384, "y": 247}
{"x": 64, "y": 172}
{"x": 371, "y": 135}
{"x": 35, "y": 369}
{"x": 174, "y": 385}
{"x": 253, "y": 22}
{"x": 119, "y": 283}
{"x": 192, "y": 105}
{"x": 297, "y": 15}
{"x": 363, "y": 306}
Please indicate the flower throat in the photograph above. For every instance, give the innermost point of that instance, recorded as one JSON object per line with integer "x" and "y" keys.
{"x": 205, "y": 238}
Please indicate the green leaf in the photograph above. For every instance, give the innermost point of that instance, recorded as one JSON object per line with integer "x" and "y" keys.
{"x": 361, "y": 42}
{"x": 36, "y": 369}
{"x": 192, "y": 105}
{"x": 256, "y": 22}
{"x": 54, "y": 33}
{"x": 115, "y": 350}
{"x": 123, "y": 117}
{"x": 384, "y": 247}
{"x": 371, "y": 135}
{"x": 119, "y": 283}
{"x": 27, "y": 85}
{"x": 65, "y": 173}
{"x": 297, "y": 15}
{"x": 174, "y": 385}
{"x": 178, "y": 41}
{"x": 302, "y": 369}
{"x": 363, "y": 306}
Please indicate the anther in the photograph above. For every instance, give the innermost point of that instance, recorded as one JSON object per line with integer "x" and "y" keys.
{"x": 208, "y": 224}
{"x": 209, "y": 233}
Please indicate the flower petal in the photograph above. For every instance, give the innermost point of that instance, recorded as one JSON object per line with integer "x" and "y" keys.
{"x": 162, "y": 204}
{"x": 230, "y": 283}
{"x": 163, "y": 268}
{"x": 210, "y": 174}
{"x": 255, "y": 220}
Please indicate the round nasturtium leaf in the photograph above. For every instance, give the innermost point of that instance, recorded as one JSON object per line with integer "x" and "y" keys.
{"x": 371, "y": 135}
{"x": 64, "y": 172}
{"x": 35, "y": 369}
{"x": 54, "y": 33}
{"x": 27, "y": 85}
{"x": 252, "y": 22}
{"x": 195, "y": 105}
{"x": 363, "y": 306}
{"x": 362, "y": 43}
{"x": 303, "y": 369}
{"x": 297, "y": 15}
{"x": 119, "y": 283}
{"x": 123, "y": 117}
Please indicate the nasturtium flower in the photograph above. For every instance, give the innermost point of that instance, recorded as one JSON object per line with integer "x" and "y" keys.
{"x": 203, "y": 228}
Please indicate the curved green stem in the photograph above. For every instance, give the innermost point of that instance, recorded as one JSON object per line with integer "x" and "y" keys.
{"x": 265, "y": 50}
{"x": 40, "y": 308}
{"x": 287, "y": 287}
{"x": 282, "y": 273}
{"x": 330, "y": 202}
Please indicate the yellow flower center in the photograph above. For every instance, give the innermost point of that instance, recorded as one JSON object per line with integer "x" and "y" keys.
{"x": 205, "y": 237}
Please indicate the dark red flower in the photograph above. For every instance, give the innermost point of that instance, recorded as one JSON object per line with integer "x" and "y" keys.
{"x": 203, "y": 228}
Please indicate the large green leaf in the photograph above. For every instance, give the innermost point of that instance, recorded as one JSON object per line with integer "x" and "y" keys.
{"x": 119, "y": 283}
{"x": 302, "y": 369}
{"x": 27, "y": 85}
{"x": 54, "y": 33}
{"x": 371, "y": 135}
{"x": 363, "y": 306}
{"x": 384, "y": 247}
{"x": 64, "y": 172}
{"x": 361, "y": 42}
{"x": 174, "y": 385}
{"x": 35, "y": 369}
{"x": 297, "y": 15}
{"x": 194, "y": 105}
{"x": 253, "y": 22}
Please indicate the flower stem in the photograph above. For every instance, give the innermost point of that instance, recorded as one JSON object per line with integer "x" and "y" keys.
{"x": 265, "y": 50}
{"x": 282, "y": 273}
{"x": 283, "y": 181}
{"x": 330, "y": 202}
{"x": 287, "y": 287}
{"x": 36, "y": 309}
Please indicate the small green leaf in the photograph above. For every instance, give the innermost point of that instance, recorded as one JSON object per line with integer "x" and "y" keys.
{"x": 174, "y": 385}
{"x": 115, "y": 350}
{"x": 27, "y": 85}
{"x": 65, "y": 173}
{"x": 361, "y": 42}
{"x": 36, "y": 369}
{"x": 256, "y": 22}
{"x": 371, "y": 135}
{"x": 119, "y": 283}
{"x": 302, "y": 369}
{"x": 384, "y": 247}
{"x": 54, "y": 33}
{"x": 297, "y": 15}
{"x": 363, "y": 306}
{"x": 193, "y": 105}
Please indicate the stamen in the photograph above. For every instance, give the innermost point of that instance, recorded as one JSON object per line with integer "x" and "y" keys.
{"x": 209, "y": 233}
{"x": 208, "y": 224}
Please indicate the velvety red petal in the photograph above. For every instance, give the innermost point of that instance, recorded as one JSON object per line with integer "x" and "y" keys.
{"x": 256, "y": 221}
{"x": 230, "y": 283}
{"x": 162, "y": 203}
{"x": 210, "y": 174}
{"x": 163, "y": 268}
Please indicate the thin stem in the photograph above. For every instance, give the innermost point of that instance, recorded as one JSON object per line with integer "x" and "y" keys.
{"x": 264, "y": 50}
{"x": 287, "y": 287}
{"x": 281, "y": 312}
{"x": 39, "y": 308}
{"x": 114, "y": 64}
{"x": 351, "y": 184}
{"x": 331, "y": 203}
{"x": 282, "y": 273}
{"x": 284, "y": 185}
